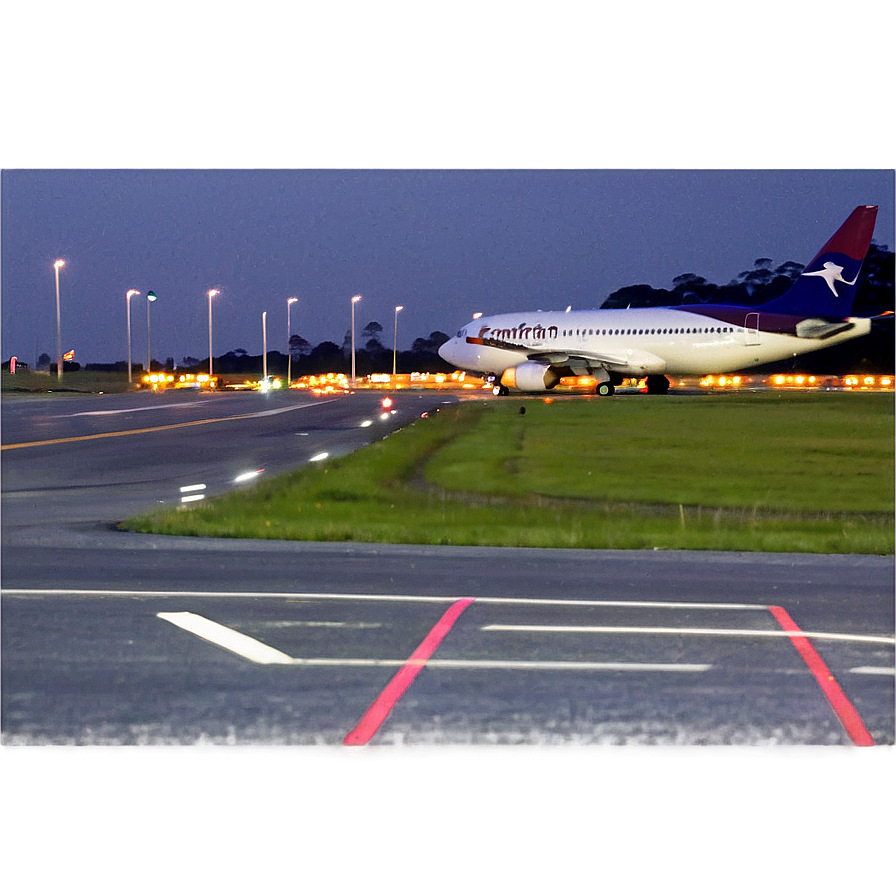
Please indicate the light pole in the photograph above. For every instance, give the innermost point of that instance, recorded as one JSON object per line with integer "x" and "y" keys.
{"x": 150, "y": 298}
{"x": 264, "y": 345}
{"x": 355, "y": 300}
{"x": 289, "y": 304}
{"x": 58, "y": 264}
{"x": 395, "y": 342}
{"x": 211, "y": 294}
{"x": 131, "y": 292}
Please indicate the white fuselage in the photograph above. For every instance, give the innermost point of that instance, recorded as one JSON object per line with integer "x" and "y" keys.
{"x": 635, "y": 341}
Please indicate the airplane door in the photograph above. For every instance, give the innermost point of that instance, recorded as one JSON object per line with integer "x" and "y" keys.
{"x": 751, "y": 329}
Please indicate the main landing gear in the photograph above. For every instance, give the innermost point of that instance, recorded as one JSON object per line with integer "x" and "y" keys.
{"x": 657, "y": 384}
{"x": 608, "y": 387}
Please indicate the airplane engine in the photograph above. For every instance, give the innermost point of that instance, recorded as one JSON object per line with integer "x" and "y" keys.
{"x": 530, "y": 377}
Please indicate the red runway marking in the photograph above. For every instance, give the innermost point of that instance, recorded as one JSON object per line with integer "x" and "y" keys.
{"x": 381, "y": 707}
{"x": 846, "y": 712}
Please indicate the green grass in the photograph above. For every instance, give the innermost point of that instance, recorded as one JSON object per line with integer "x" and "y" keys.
{"x": 77, "y": 381}
{"x": 768, "y": 472}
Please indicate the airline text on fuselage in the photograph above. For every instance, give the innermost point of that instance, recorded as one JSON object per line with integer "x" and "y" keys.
{"x": 521, "y": 332}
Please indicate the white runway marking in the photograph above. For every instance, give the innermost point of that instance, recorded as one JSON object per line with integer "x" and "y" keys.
{"x": 571, "y": 665}
{"x": 873, "y": 670}
{"x": 225, "y": 637}
{"x": 274, "y": 411}
{"x": 155, "y": 407}
{"x": 662, "y": 630}
{"x": 406, "y": 598}
{"x": 258, "y": 652}
{"x": 187, "y": 404}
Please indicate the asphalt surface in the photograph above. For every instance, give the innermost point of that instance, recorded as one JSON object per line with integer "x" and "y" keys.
{"x": 115, "y": 638}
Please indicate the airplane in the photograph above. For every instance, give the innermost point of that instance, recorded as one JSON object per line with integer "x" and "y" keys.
{"x": 532, "y": 351}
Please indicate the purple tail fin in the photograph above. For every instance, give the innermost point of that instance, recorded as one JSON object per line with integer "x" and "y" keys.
{"x": 827, "y": 286}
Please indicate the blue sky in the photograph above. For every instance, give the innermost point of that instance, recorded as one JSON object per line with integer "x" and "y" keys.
{"x": 490, "y": 159}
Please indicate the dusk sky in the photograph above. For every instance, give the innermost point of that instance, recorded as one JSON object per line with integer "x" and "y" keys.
{"x": 492, "y": 159}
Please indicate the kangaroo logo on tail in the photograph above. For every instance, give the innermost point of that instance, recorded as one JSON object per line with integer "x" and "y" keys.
{"x": 844, "y": 251}
{"x": 831, "y": 273}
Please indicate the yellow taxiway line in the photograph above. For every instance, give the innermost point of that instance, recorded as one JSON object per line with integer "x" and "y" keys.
{"x": 137, "y": 432}
{"x": 123, "y": 432}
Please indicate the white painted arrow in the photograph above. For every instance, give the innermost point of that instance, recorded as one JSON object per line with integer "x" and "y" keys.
{"x": 227, "y": 638}
{"x": 258, "y": 652}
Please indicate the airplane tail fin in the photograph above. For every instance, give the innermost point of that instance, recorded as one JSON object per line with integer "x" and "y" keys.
{"x": 827, "y": 286}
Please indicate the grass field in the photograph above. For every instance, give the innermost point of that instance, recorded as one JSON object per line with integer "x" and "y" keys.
{"x": 76, "y": 381}
{"x": 768, "y": 471}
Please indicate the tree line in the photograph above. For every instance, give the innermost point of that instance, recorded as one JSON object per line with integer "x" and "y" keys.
{"x": 766, "y": 281}
{"x": 371, "y": 356}
{"x": 762, "y": 283}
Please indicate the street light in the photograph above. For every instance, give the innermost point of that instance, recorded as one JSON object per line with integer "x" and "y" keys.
{"x": 355, "y": 300}
{"x": 58, "y": 264}
{"x": 264, "y": 345}
{"x": 289, "y": 304}
{"x": 131, "y": 292}
{"x": 395, "y": 342}
{"x": 150, "y": 298}
{"x": 211, "y": 294}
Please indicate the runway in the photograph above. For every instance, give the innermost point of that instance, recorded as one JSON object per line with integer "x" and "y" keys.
{"x": 105, "y": 644}
{"x": 115, "y": 638}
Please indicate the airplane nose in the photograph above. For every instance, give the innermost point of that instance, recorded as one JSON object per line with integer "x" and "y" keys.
{"x": 446, "y": 350}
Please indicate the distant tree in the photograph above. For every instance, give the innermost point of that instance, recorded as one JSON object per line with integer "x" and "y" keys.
{"x": 43, "y": 362}
{"x": 760, "y": 276}
{"x": 373, "y": 331}
{"x": 327, "y": 357}
{"x": 875, "y": 290}
{"x": 298, "y": 346}
{"x": 685, "y": 281}
{"x": 188, "y": 361}
{"x": 424, "y": 355}
{"x": 67, "y": 366}
{"x": 239, "y": 361}
{"x": 690, "y": 288}
{"x": 431, "y": 343}
{"x": 639, "y": 296}
{"x": 789, "y": 269}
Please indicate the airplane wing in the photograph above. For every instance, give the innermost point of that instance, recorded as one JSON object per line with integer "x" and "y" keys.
{"x": 578, "y": 359}
{"x": 579, "y": 362}
{"x": 555, "y": 357}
